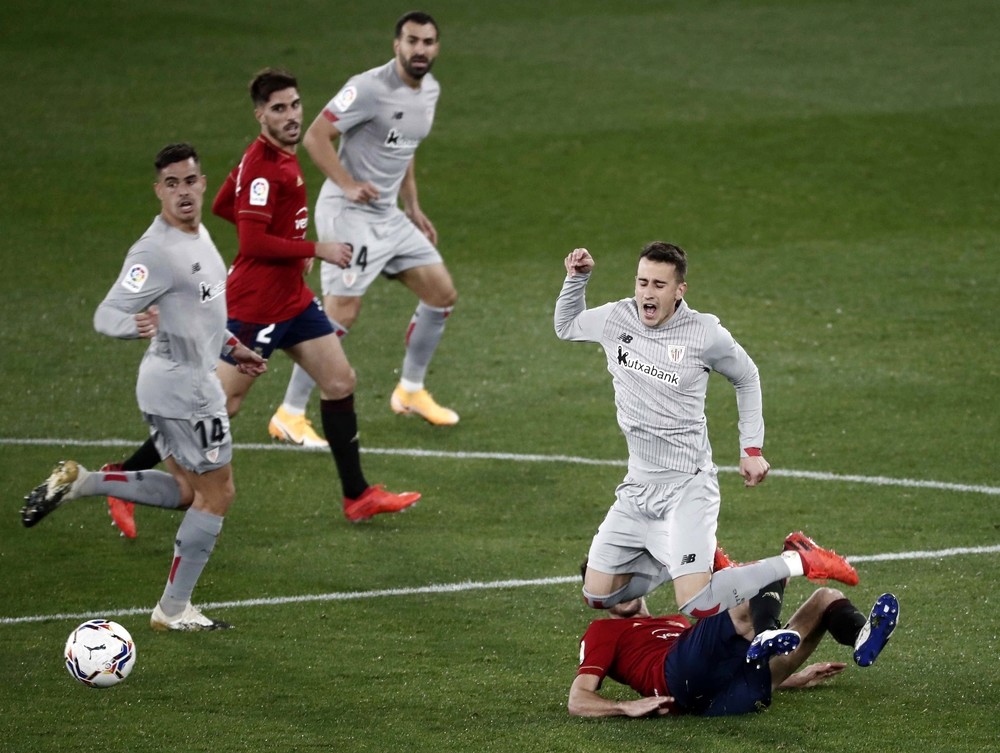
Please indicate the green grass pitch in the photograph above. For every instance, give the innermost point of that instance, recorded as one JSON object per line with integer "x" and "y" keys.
{"x": 831, "y": 168}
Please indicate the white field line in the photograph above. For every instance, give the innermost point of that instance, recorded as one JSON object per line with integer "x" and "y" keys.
{"x": 502, "y": 584}
{"x": 523, "y": 458}
{"x": 447, "y": 588}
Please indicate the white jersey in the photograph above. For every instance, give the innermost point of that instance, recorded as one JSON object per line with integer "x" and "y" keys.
{"x": 660, "y": 376}
{"x": 382, "y": 122}
{"x": 184, "y": 275}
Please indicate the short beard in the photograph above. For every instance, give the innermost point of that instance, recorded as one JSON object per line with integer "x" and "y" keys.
{"x": 417, "y": 74}
{"x": 282, "y": 139}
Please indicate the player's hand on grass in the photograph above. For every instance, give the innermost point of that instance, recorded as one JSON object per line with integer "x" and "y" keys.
{"x": 814, "y": 674}
{"x": 649, "y": 706}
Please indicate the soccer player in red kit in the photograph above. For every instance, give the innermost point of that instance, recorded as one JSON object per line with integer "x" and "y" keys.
{"x": 724, "y": 665}
{"x": 270, "y": 305}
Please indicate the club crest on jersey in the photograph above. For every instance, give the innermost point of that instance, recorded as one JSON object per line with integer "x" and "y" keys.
{"x": 350, "y": 278}
{"x": 676, "y": 353}
{"x": 345, "y": 97}
{"x": 259, "y": 189}
{"x": 213, "y": 455}
{"x": 135, "y": 278}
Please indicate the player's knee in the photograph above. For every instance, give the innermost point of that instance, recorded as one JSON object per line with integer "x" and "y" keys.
{"x": 344, "y": 382}
{"x": 445, "y": 299}
{"x": 826, "y": 595}
{"x": 595, "y": 601}
{"x": 343, "y": 311}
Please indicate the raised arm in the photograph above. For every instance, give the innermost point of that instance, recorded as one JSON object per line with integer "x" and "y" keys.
{"x": 572, "y": 319}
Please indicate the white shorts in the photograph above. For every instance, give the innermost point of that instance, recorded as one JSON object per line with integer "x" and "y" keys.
{"x": 652, "y": 526}
{"x": 383, "y": 244}
{"x": 199, "y": 444}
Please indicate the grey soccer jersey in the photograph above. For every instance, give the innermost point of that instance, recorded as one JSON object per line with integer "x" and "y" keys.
{"x": 185, "y": 277}
{"x": 660, "y": 377}
{"x": 382, "y": 122}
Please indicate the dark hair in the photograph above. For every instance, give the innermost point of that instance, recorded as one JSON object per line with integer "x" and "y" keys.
{"x": 418, "y": 17}
{"x": 667, "y": 253}
{"x": 269, "y": 81}
{"x": 172, "y": 153}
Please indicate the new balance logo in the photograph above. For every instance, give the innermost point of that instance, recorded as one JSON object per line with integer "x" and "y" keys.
{"x": 195, "y": 268}
{"x": 625, "y": 338}
{"x": 687, "y": 559}
{"x": 397, "y": 115}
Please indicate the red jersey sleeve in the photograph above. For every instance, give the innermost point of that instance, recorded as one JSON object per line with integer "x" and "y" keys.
{"x": 268, "y": 195}
{"x": 597, "y": 647}
{"x": 224, "y": 205}
{"x": 257, "y": 243}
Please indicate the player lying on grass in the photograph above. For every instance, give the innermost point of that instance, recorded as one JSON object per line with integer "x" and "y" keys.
{"x": 726, "y": 664}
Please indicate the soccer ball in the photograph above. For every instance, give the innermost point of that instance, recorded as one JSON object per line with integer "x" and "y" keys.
{"x": 100, "y": 653}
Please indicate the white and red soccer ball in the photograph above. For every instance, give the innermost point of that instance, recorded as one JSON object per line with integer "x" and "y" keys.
{"x": 100, "y": 653}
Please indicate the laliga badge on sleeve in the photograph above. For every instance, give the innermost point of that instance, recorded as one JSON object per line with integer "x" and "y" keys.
{"x": 345, "y": 97}
{"x": 259, "y": 190}
{"x": 135, "y": 278}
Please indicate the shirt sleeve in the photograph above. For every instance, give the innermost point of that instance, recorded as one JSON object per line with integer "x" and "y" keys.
{"x": 726, "y": 356}
{"x": 257, "y": 243}
{"x": 224, "y": 205}
{"x": 573, "y": 320}
{"x": 252, "y": 208}
{"x": 597, "y": 651}
{"x": 351, "y": 106}
{"x": 143, "y": 281}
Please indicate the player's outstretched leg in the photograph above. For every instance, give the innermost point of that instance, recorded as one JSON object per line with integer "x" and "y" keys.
{"x": 876, "y": 632}
{"x": 61, "y": 486}
{"x": 820, "y": 564}
{"x": 122, "y": 511}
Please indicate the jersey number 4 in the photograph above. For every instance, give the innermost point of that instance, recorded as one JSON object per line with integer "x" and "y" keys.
{"x": 361, "y": 260}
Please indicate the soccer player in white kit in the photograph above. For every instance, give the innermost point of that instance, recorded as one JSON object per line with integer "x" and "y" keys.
{"x": 662, "y": 525}
{"x": 171, "y": 291}
{"x": 380, "y": 117}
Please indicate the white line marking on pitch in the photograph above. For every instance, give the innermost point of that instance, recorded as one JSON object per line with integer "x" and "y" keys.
{"x": 447, "y": 588}
{"x": 522, "y": 458}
